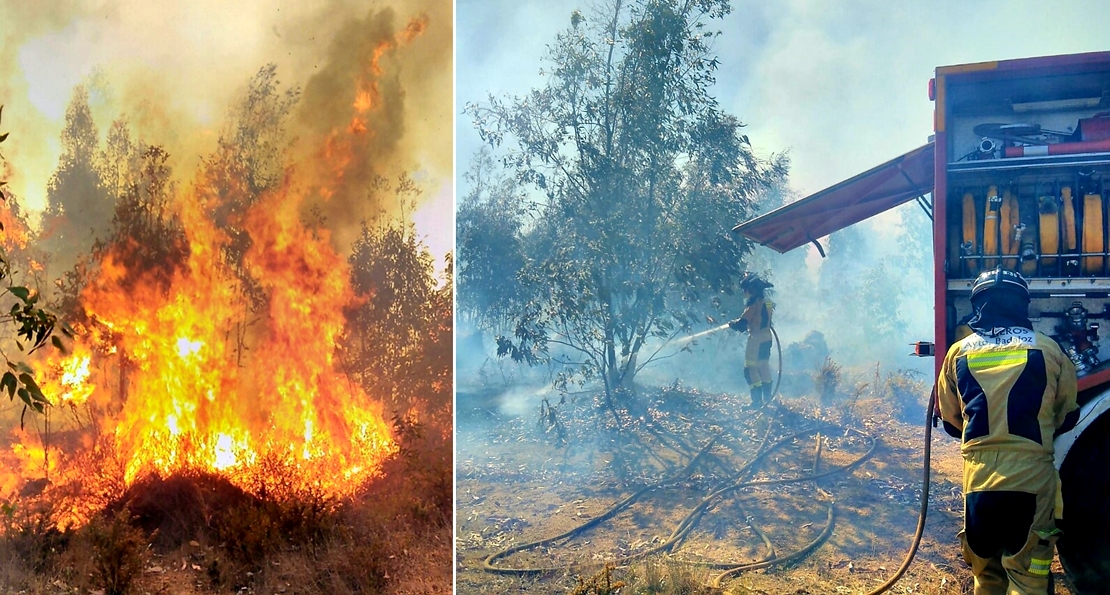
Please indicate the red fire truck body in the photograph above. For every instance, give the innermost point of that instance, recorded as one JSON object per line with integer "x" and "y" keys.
{"x": 1018, "y": 171}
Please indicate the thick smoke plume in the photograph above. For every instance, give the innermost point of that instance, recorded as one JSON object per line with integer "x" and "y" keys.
{"x": 172, "y": 69}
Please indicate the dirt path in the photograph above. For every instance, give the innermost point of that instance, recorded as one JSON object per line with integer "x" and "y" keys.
{"x": 514, "y": 486}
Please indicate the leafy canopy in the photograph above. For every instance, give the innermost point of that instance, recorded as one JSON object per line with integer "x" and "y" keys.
{"x": 634, "y": 176}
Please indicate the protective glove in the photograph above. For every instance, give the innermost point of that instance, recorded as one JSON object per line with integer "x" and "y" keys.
{"x": 739, "y": 324}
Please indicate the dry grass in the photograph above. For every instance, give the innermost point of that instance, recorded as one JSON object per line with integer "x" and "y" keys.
{"x": 515, "y": 486}
{"x": 197, "y": 533}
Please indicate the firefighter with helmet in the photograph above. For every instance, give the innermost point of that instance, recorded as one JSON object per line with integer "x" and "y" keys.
{"x": 1006, "y": 391}
{"x": 756, "y": 321}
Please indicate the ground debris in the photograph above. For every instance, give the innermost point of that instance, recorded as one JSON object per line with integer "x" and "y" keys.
{"x": 604, "y": 462}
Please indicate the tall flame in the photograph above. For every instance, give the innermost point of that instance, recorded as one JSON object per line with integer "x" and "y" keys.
{"x": 196, "y": 394}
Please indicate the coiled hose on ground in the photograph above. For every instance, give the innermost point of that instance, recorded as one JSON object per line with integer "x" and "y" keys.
{"x": 736, "y": 483}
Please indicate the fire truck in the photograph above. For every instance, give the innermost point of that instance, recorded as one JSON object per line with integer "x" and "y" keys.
{"x": 1016, "y": 174}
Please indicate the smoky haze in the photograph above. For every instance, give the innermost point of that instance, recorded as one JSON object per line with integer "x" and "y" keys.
{"x": 841, "y": 88}
{"x": 873, "y": 295}
{"x": 173, "y": 71}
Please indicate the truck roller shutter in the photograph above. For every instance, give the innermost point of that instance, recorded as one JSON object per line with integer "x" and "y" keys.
{"x": 876, "y": 190}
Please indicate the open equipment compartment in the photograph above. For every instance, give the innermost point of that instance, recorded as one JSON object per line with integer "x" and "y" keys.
{"x": 1025, "y": 166}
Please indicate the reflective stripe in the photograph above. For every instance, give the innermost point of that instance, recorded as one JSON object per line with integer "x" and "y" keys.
{"x": 1039, "y": 567}
{"x": 994, "y": 359}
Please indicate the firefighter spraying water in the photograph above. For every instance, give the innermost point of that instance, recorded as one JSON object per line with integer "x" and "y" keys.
{"x": 756, "y": 321}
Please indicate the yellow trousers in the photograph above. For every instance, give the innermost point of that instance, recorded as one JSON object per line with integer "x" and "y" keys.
{"x": 757, "y": 359}
{"x": 1026, "y": 570}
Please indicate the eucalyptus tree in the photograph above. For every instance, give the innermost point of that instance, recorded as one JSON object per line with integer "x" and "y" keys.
{"x": 634, "y": 175}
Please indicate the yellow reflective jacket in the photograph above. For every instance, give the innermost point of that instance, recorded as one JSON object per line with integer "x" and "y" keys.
{"x": 1007, "y": 391}
{"x": 757, "y": 319}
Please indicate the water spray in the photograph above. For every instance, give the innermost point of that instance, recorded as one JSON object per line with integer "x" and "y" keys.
{"x": 689, "y": 338}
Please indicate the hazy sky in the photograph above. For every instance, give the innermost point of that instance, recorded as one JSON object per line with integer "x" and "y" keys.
{"x": 842, "y": 86}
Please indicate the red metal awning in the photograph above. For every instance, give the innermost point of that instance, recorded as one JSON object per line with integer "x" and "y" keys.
{"x": 851, "y": 201}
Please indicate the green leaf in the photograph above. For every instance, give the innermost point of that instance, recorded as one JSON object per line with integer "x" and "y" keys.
{"x": 29, "y": 382}
{"x": 24, "y": 395}
{"x": 21, "y": 292}
{"x": 38, "y": 396}
{"x": 8, "y": 383}
{"x": 58, "y": 344}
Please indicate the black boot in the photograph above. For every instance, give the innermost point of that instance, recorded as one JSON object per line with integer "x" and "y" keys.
{"x": 757, "y": 397}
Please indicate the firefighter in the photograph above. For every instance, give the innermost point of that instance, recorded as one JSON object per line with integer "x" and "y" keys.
{"x": 1006, "y": 391}
{"x": 756, "y": 321}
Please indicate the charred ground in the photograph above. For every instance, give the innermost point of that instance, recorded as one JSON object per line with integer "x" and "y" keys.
{"x": 528, "y": 477}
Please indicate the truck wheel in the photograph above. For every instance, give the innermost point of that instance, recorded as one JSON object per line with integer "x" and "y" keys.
{"x": 1085, "y": 545}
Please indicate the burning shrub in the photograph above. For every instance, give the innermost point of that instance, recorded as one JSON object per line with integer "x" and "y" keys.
{"x": 249, "y": 526}
{"x": 180, "y": 507}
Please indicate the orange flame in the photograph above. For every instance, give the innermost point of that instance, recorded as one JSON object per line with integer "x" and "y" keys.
{"x": 186, "y": 403}
{"x": 187, "y": 369}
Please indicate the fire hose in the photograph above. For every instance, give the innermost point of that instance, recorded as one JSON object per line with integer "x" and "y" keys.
{"x": 677, "y": 535}
{"x": 691, "y": 519}
{"x": 923, "y": 512}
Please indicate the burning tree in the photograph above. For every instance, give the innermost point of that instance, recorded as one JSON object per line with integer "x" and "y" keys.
{"x": 400, "y": 340}
{"x": 640, "y": 175}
